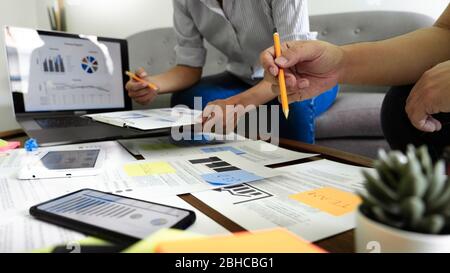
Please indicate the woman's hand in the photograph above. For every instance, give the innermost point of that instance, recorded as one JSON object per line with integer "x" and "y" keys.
{"x": 430, "y": 95}
{"x": 311, "y": 68}
{"x": 140, "y": 92}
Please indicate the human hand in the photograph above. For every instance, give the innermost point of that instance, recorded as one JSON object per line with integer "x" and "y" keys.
{"x": 430, "y": 95}
{"x": 311, "y": 68}
{"x": 222, "y": 116}
{"x": 140, "y": 92}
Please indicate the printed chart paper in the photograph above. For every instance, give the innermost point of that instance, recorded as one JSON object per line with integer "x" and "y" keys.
{"x": 256, "y": 151}
{"x": 275, "y": 202}
{"x": 187, "y": 174}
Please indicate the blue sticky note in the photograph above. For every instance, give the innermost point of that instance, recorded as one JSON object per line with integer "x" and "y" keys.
{"x": 231, "y": 178}
{"x": 223, "y": 149}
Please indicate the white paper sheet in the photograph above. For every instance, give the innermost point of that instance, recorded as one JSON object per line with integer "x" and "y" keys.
{"x": 256, "y": 151}
{"x": 19, "y": 232}
{"x": 152, "y": 119}
{"x": 267, "y": 204}
{"x": 187, "y": 176}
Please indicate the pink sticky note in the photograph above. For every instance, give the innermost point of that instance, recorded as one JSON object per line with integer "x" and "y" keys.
{"x": 10, "y": 146}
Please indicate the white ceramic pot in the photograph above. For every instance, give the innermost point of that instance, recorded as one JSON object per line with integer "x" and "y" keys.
{"x": 373, "y": 237}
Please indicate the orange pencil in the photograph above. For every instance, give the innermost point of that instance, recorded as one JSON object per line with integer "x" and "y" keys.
{"x": 136, "y": 78}
{"x": 281, "y": 77}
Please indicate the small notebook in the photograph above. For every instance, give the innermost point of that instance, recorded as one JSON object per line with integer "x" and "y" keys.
{"x": 149, "y": 120}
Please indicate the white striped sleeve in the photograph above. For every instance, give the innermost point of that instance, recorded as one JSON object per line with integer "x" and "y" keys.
{"x": 291, "y": 18}
{"x": 190, "y": 50}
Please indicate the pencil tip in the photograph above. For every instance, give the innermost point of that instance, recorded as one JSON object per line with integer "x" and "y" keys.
{"x": 275, "y": 30}
{"x": 286, "y": 113}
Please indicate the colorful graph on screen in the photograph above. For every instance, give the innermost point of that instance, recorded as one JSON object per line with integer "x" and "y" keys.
{"x": 89, "y": 64}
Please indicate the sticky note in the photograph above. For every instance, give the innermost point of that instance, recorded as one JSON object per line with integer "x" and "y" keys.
{"x": 3, "y": 143}
{"x": 148, "y": 168}
{"x": 231, "y": 177}
{"x": 329, "y": 200}
{"x": 6, "y": 146}
{"x": 223, "y": 149}
{"x": 271, "y": 241}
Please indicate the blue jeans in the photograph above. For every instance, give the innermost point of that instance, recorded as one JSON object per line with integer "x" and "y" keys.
{"x": 300, "y": 125}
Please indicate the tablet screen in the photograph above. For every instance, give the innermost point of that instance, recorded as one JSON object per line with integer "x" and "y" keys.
{"x": 65, "y": 160}
{"x": 123, "y": 215}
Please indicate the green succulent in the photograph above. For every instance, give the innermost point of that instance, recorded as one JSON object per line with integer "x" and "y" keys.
{"x": 408, "y": 192}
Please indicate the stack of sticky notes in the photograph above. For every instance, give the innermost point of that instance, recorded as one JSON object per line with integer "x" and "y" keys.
{"x": 271, "y": 241}
{"x": 6, "y": 146}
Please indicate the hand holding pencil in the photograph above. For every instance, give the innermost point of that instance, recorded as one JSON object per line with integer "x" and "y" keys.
{"x": 139, "y": 88}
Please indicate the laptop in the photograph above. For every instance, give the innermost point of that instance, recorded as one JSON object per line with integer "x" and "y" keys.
{"x": 55, "y": 78}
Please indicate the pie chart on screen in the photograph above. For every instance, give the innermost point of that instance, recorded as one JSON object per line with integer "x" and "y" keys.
{"x": 89, "y": 64}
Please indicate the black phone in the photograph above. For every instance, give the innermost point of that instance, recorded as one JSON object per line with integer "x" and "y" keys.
{"x": 118, "y": 219}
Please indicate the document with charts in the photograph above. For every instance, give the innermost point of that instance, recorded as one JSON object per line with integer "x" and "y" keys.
{"x": 260, "y": 152}
{"x": 192, "y": 173}
{"x": 314, "y": 200}
{"x": 153, "y": 119}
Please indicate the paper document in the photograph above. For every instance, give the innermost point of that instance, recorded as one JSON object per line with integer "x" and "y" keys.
{"x": 315, "y": 200}
{"x": 153, "y": 119}
{"x": 186, "y": 174}
{"x": 21, "y": 233}
{"x": 256, "y": 151}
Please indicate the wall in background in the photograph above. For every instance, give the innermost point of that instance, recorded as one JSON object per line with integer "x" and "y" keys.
{"x": 17, "y": 13}
{"x": 432, "y": 8}
{"x": 121, "y": 18}
{"x": 113, "y": 18}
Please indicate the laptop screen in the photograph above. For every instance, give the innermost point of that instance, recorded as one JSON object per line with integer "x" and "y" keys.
{"x": 52, "y": 71}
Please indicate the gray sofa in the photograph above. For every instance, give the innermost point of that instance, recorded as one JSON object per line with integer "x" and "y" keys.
{"x": 353, "y": 123}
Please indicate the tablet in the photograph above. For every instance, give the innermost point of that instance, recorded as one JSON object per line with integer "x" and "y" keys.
{"x": 115, "y": 218}
{"x": 64, "y": 164}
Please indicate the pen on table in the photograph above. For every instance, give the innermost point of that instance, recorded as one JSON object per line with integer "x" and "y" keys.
{"x": 281, "y": 76}
{"x": 136, "y": 78}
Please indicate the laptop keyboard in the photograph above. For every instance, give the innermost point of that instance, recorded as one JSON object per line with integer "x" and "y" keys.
{"x": 63, "y": 122}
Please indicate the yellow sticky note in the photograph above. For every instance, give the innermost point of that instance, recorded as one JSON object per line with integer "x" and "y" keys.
{"x": 269, "y": 241}
{"x": 3, "y": 143}
{"x": 329, "y": 200}
{"x": 148, "y": 168}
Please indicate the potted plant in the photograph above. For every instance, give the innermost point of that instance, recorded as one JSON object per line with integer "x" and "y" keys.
{"x": 406, "y": 205}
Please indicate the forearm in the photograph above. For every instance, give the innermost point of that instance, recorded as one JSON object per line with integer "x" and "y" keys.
{"x": 398, "y": 61}
{"x": 177, "y": 79}
{"x": 257, "y": 95}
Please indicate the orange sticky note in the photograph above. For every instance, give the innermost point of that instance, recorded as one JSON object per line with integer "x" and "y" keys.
{"x": 271, "y": 241}
{"x": 329, "y": 200}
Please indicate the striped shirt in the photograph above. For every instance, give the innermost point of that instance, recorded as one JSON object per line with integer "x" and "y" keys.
{"x": 241, "y": 30}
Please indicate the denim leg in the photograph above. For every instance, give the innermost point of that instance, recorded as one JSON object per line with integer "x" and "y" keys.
{"x": 211, "y": 88}
{"x": 301, "y": 123}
